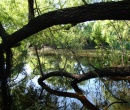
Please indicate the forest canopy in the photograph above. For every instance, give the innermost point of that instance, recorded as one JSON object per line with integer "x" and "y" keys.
{"x": 53, "y": 49}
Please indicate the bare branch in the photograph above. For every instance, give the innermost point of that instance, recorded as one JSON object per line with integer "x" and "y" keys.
{"x": 55, "y": 92}
{"x": 114, "y": 103}
{"x": 39, "y": 62}
{"x": 80, "y": 96}
{"x": 104, "y": 72}
{"x": 83, "y": 99}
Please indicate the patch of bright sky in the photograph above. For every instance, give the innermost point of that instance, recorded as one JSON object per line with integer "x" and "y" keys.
{"x": 35, "y": 79}
{"x": 27, "y": 72}
{"x": 28, "y": 69}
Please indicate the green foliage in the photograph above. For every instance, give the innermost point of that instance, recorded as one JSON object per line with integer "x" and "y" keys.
{"x": 28, "y": 98}
{"x": 109, "y": 32}
{"x": 110, "y": 38}
{"x": 13, "y": 18}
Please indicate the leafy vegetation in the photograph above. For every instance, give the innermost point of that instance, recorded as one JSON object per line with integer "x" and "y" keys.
{"x": 48, "y": 52}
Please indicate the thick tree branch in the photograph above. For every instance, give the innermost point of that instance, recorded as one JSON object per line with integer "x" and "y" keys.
{"x": 83, "y": 99}
{"x": 104, "y": 72}
{"x": 117, "y": 72}
{"x": 3, "y": 33}
{"x": 56, "y": 92}
{"x": 98, "y": 11}
{"x": 80, "y": 96}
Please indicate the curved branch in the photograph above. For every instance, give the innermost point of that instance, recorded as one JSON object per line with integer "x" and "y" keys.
{"x": 55, "y": 92}
{"x": 79, "y": 96}
{"x": 105, "y": 72}
{"x": 60, "y": 73}
{"x": 114, "y": 103}
{"x": 83, "y": 99}
{"x": 99, "y": 11}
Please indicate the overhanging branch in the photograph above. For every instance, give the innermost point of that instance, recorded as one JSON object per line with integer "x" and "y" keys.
{"x": 80, "y": 96}
{"x": 98, "y": 11}
{"x": 104, "y": 72}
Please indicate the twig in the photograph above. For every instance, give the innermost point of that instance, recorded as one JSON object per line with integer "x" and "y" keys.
{"x": 114, "y": 103}
{"x": 40, "y": 66}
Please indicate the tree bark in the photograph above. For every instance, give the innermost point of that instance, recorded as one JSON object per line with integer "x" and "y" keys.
{"x": 30, "y": 10}
{"x": 98, "y": 11}
{"x": 3, "y": 81}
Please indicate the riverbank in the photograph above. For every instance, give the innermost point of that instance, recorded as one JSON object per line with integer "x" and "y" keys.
{"x": 80, "y": 53}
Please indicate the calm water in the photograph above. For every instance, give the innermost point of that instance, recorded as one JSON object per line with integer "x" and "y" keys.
{"x": 99, "y": 91}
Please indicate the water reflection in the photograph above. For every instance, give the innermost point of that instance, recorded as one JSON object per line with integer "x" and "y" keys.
{"x": 80, "y": 68}
{"x": 99, "y": 91}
